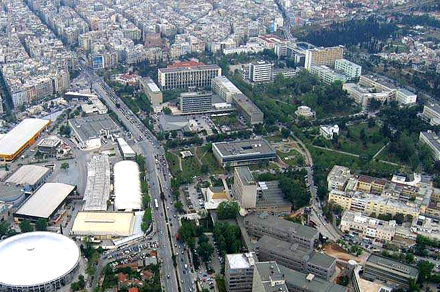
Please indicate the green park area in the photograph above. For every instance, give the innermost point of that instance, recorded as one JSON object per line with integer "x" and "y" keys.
{"x": 291, "y": 157}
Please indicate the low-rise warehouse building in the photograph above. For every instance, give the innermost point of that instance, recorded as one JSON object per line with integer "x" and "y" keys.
{"x": 243, "y": 152}
{"x": 29, "y": 176}
{"x": 21, "y": 137}
{"x": 104, "y": 225}
{"x": 89, "y": 130}
{"x": 126, "y": 150}
{"x": 97, "y": 190}
{"x": 45, "y": 202}
{"x": 128, "y": 196}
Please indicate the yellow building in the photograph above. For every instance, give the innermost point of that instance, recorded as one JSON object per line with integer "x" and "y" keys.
{"x": 21, "y": 137}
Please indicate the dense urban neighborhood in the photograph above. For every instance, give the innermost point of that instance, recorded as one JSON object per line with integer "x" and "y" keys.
{"x": 227, "y": 146}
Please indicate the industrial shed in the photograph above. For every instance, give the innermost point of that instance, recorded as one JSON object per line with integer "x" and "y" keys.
{"x": 45, "y": 202}
{"x": 127, "y": 185}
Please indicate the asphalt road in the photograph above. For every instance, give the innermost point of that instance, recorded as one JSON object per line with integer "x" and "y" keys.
{"x": 157, "y": 172}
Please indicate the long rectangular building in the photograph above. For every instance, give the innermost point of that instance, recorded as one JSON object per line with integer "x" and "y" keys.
{"x": 45, "y": 202}
{"x": 182, "y": 77}
{"x": 21, "y": 137}
{"x": 296, "y": 257}
{"x": 264, "y": 224}
{"x": 243, "y": 152}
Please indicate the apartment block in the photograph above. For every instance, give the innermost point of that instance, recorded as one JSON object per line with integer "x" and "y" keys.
{"x": 260, "y": 71}
{"x": 431, "y": 139}
{"x": 323, "y": 56}
{"x": 338, "y": 177}
{"x": 245, "y": 187}
{"x": 431, "y": 113}
{"x": 224, "y": 88}
{"x": 368, "y": 227}
{"x": 182, "y": 77}
{"x": 259, "y": 225}
{"x": 239, "y": 272}
{"x": 249, "y": 110}
{"x": 195, "y": 102}
{"x": 296, "y": 257}
{"x": 327, "y": 75}
{"x": 350, "y": 69}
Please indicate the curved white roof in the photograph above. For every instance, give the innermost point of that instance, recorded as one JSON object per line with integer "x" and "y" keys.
{"x": 127, "y": 186}
{"x": 36, "y": 258}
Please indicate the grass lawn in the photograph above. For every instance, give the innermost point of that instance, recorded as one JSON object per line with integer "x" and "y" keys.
{"x": 173, "y": 162}
{"x": 290, "y": 158}
{"x": 275, "y": 138}
{"x": 354, "y": 144}
{"x": 191, "y": 167}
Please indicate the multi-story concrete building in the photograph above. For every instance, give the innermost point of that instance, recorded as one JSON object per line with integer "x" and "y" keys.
{"x": 182, "y": 77}
{"x": 243, "y": 152}
{"x": 239, "y": 272}
{"x": 245, "y": 187}
{"x": 323, "y": 56}
{"x": 431, "y": 139}
{"x": 368, "y": 204}
{"x": 300, "y": 282}
{"x": 405, "y": 97}
{"x": 296, "y": 257}
{"x": 327, "y": 75}
{"x": 338, "y": 177}
{"x": 271, "y": 200}
{"x": 390, "y": 271}
{"x": 260, "y": 71}
{"x": 195, "y": 102}
{"x": 368, "y": 227}
{"x": 350, "y": 69}
{"x": 431, "y": 113}
{"x": 250, "y": 111}
{"x": 268, "y": 278}
{"x": 225, "y": 88}
{"x": 259, "y": 225}
{"x": 151, "y": 90}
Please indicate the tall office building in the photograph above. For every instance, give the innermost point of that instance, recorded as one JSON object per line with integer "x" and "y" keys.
{"x": 260, "y": 71}
{"x": 182, "y": 77}
{"x": 239, "y": 272}
{"x": 350, "y": 69}
{"x": 195, "y": 102}
{"x": 323, "y": 56}
{"x": 245, "y": 187}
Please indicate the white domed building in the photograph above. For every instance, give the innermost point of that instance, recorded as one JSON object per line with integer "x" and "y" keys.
{"x": 37, "y": 261}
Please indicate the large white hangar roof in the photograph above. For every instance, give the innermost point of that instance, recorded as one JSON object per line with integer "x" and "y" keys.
{"x": 45, "y": 200}
{"x": 28, "y": 174}
{"x": 128, "y": 195}
{"x": 20, "y": 135}
{"x": 35, "y": 258}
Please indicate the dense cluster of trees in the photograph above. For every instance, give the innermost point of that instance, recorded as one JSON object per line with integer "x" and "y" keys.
{"x": 227, "y": 237}
{"x": 366, "y": 33}
{"x": 146, "y": 200}
{"x": 413, "y": 20}
{"x": 292, "y": 184}
{"x": 65, "y": 130}
{"x": 228, "y": 210}
{"x": 174, "y": 143}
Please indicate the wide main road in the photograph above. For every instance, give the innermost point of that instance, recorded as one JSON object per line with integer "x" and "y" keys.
{"x": 158, "y": 174}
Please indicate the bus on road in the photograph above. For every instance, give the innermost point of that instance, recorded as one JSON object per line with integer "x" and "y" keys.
{"x": 156, "y": 204}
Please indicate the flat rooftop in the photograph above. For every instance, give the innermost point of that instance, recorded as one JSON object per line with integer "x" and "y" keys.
{"x": 45, "y": 200}
{"x": 103, "y": 223}
{"x": 245, "y": 175}
{"x": 52, "y": 141}
{"x": 20, "y": 135}
{"x": 27, "y": 175}
{"x": 270, "y": 194}
{"x": 188, "y": 68}
{"x": 432, "y": 137}
{"x": 316, "y": 284}
{"x": 269, "y": 273}
{"x": 393, "y": 265}
{"x": 97, "y": 190}
{"x": 282, "y": 224}
{"x": 244, "y": 147}
{"x": 241, "y": 260}
{"x": 91, "y": 127}
{"x": 246, "y": 104}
